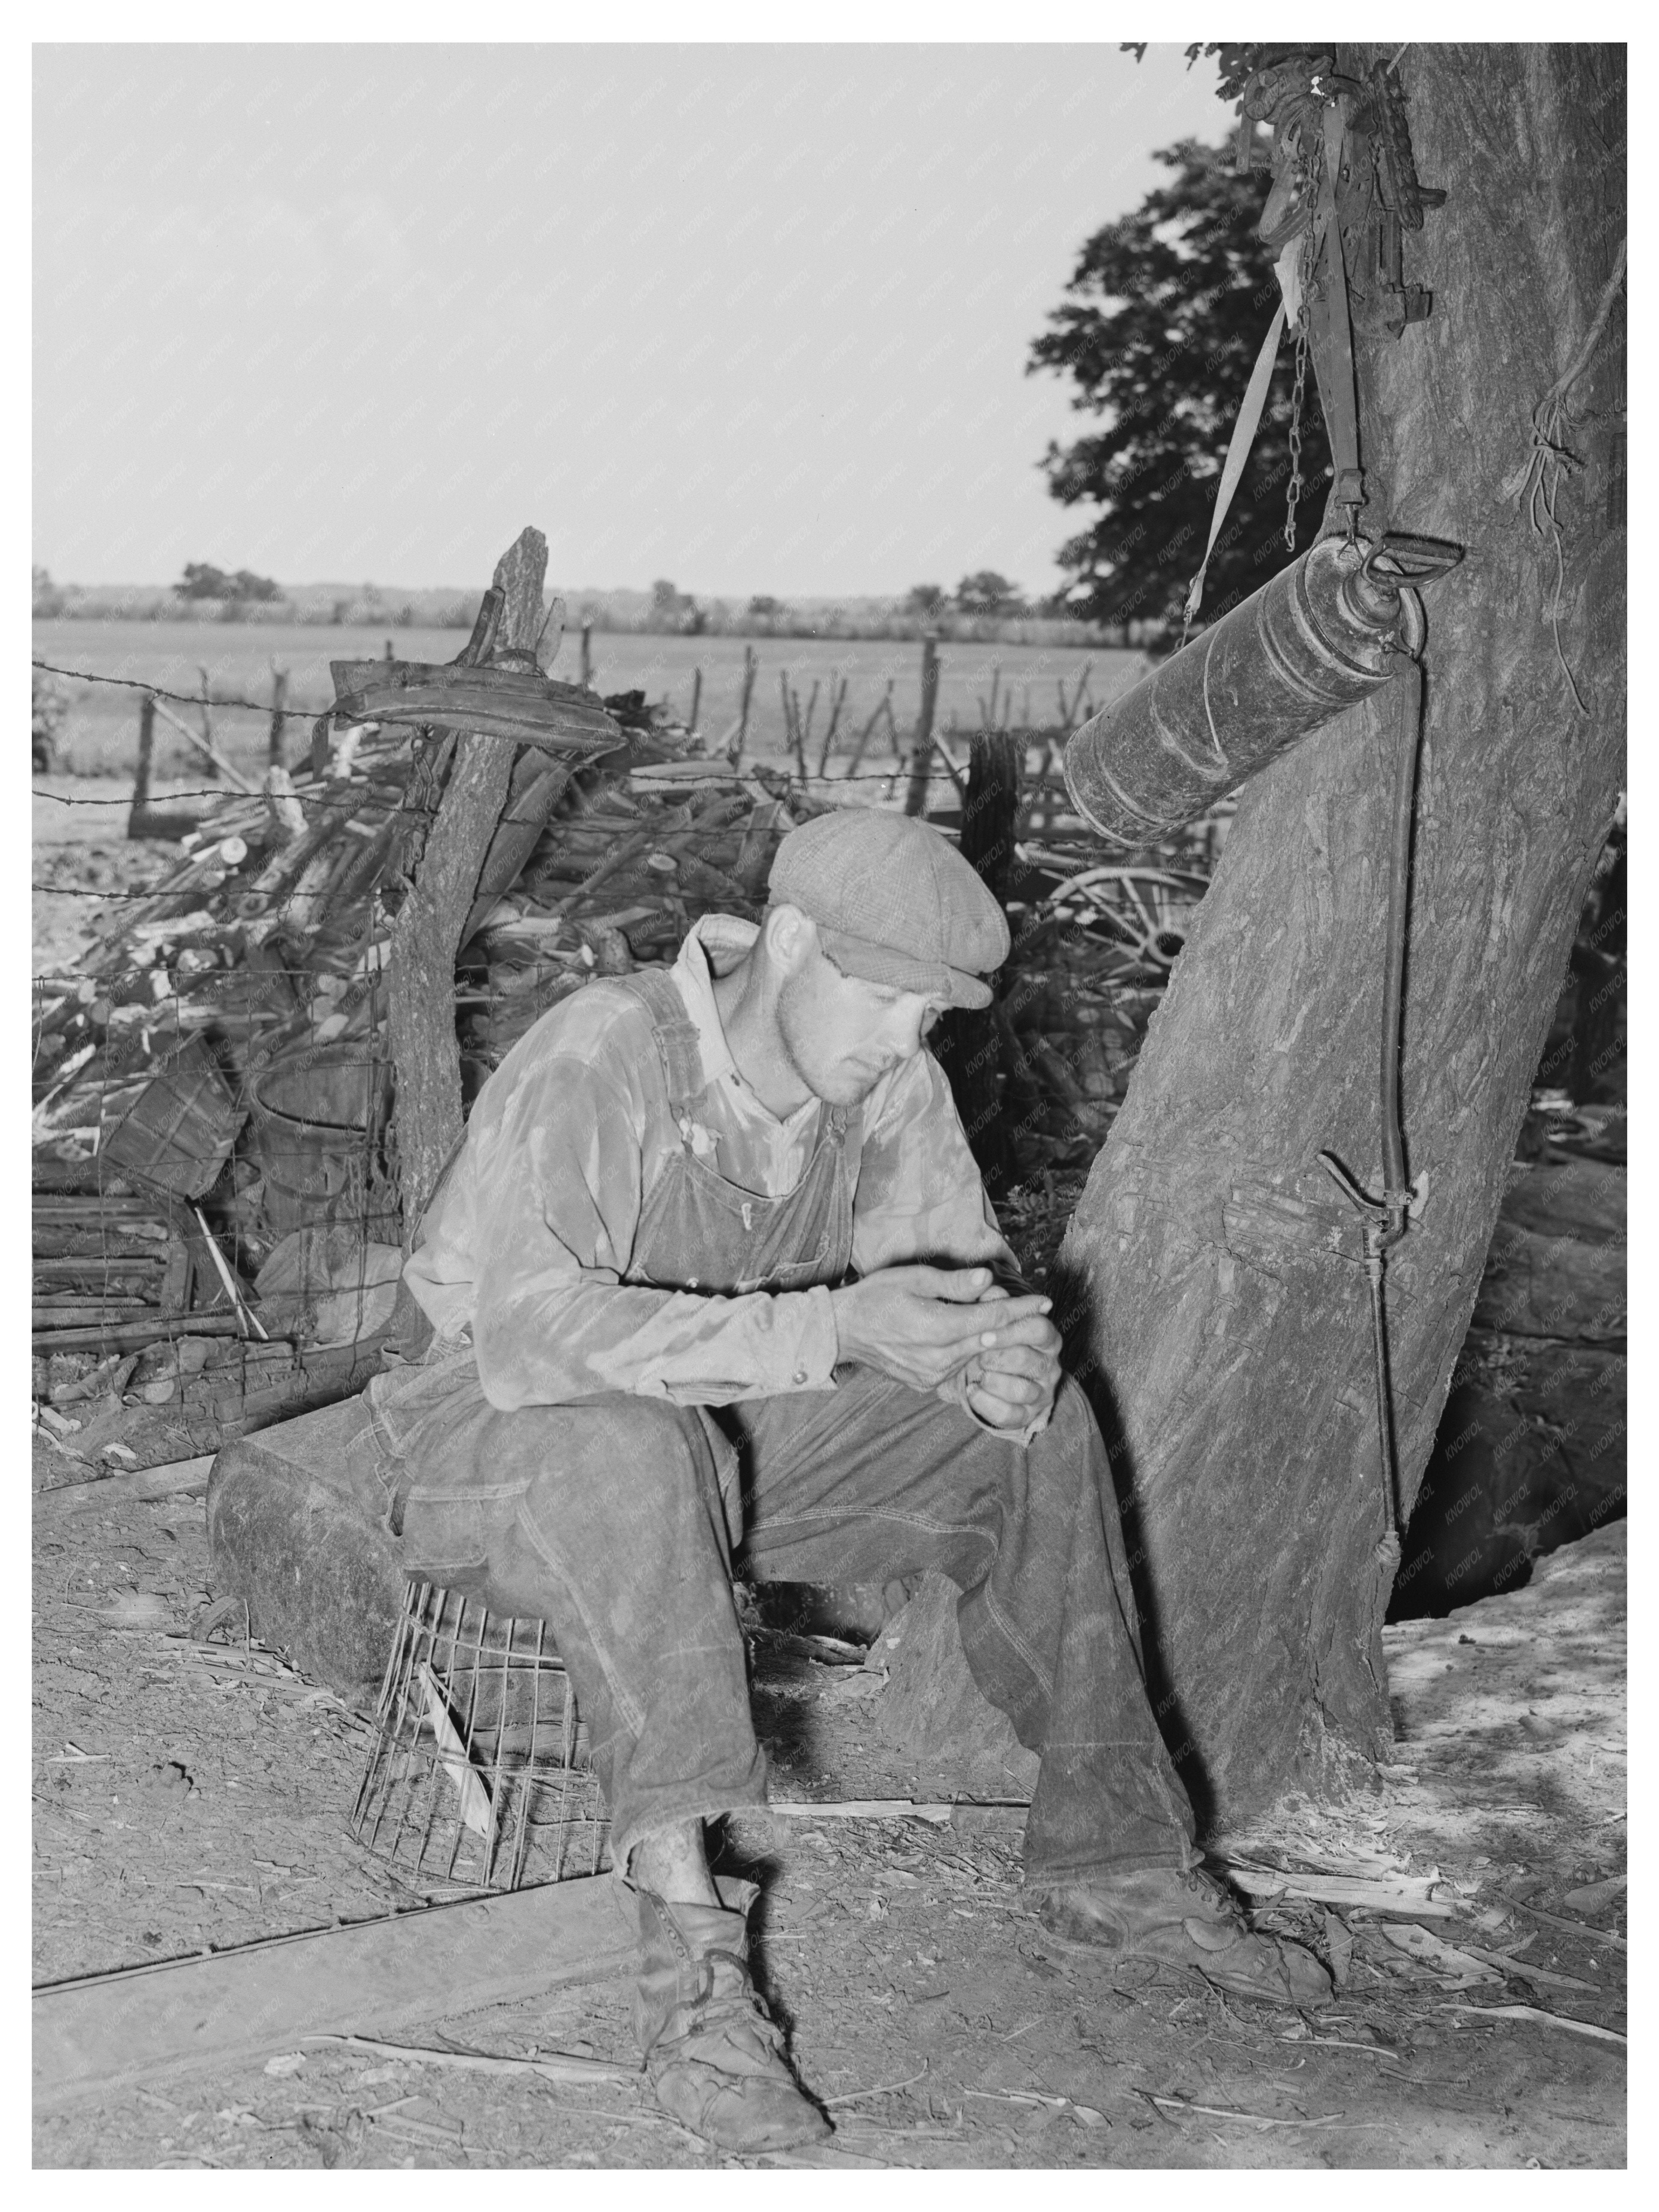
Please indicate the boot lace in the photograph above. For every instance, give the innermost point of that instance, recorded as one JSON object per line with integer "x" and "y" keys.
{"x": 1215, "y": 1896}
{"x": 726, "y": 2000}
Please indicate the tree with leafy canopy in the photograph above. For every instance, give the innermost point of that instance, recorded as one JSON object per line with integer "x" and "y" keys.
{"x": 1165, "y": 314}
{"x": 986, "y": 592}
{"x": 201, "y": 580}
{"x": 675, "y": 610}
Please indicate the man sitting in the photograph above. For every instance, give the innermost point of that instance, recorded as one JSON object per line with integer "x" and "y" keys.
{"x": 714, "y": 1266}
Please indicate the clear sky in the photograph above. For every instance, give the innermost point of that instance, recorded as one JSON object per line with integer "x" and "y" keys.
{"x": 754, "y": 318}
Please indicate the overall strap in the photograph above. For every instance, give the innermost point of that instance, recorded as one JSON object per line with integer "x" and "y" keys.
{"x": 675, "y": 1032}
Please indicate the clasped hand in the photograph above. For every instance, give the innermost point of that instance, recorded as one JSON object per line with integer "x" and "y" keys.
{"x": 923, "y": 1325}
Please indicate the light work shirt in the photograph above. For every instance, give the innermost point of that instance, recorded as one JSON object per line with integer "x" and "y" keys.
{"x": 525, "y": 1251}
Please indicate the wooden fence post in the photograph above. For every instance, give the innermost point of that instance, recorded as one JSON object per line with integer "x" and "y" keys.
{"x": 921, "y": 749}
{"x": 791, "y": 722}
{"x": 146, "y": 753}
{"x": 278, "y": 703}
{"x": 696, "y": 697}
{"x": 863, "y": 738}
{"x": 751, "y": 664}
{"x": 587, "y": 656}
{"x": 838, "y": 684}
{"x": 212, "y": 768}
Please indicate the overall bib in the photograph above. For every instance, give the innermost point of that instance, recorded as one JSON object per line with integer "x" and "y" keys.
{"x": 616, "y": 1522}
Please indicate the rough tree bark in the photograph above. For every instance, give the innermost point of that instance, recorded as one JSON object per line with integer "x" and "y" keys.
{"x": 1231, "y": 1354}
{"x": 426, "y": 1055}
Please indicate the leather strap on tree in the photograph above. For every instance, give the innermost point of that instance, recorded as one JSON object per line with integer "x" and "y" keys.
{"x": 1238, "y": 452}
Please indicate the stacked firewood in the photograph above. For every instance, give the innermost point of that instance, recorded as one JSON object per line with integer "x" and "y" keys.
{"x": 106, "y": 1259}
{"x": 616, "y": 887}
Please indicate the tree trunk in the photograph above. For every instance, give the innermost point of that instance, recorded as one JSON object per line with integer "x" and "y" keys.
{"x": 426, "y": 1055}
{"x": 1231, "y": 1348}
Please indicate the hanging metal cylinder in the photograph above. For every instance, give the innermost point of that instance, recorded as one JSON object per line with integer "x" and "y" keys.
{"x": 1315, "y": 639}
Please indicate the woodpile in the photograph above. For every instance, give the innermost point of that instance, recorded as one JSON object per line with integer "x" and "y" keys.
{"x": 271, "y": 938}
{"x": 232, "y": 1110}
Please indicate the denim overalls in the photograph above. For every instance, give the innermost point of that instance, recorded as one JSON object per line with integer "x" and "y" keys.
{"x": 615, "y": 1521}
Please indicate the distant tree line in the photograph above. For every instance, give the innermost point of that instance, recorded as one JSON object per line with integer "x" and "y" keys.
{"x": 984, "y": 607}
{"x": 984, "y": 597}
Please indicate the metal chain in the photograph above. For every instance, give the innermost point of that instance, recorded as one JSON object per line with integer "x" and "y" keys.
{"x": 1293, "y": 490}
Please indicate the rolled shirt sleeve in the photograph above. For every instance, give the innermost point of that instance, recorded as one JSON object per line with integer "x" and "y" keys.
{"x": 919, "y": 1196}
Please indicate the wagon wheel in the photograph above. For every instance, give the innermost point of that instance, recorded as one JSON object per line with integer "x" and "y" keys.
{"x": 1148, "y": 910}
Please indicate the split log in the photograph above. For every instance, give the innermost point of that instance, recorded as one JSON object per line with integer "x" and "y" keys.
{"x": 361, "y": 871}
{"x": 288, "y": 817}
{"x": 536, "y": 789}
{"x": 133, "y": 1336}
{"x": 181, "y": 1478}
{"x": 291, "y": 860}
{"x": 501, "y": 700}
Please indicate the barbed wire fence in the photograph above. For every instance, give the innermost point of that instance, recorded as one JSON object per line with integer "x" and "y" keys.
{"x": 1068, "y": 718}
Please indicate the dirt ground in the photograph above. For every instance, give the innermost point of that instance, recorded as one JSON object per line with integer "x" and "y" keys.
{"x": 192, "y": 1795}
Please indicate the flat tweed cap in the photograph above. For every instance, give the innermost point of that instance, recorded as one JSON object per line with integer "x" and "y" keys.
{"x": 894, "y": 902}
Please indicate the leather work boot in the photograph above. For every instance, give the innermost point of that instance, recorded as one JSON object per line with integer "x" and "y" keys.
{"x": 1186, "y": 1919}
{"x": 713, "y": 2054}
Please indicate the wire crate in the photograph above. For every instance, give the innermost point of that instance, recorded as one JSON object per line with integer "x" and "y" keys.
{"x": 477, "y": 1772}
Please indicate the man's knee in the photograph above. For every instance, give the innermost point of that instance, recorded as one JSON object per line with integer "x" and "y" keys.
{"x": 633, "y": 1444}
{"x": 632, "y": 1464}
{"x": 615, "y": 1440}
{"x": 623, "y": 1523}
